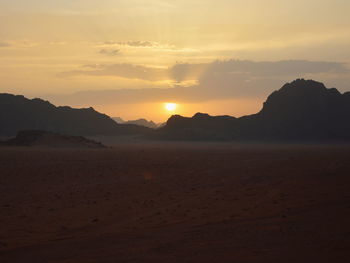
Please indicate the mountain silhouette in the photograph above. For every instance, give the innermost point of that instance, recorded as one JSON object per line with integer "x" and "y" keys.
{"x": 139, "y": 122}
{"x": 303, "y": 110}
{"x": 19, "y": 113}
{"x": 143, "y": 122}
{"x": 50, "y": 139}
{"x": 118, "y": 120}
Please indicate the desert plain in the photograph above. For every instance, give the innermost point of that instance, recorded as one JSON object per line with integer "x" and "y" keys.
{"x": 175, "y": 202}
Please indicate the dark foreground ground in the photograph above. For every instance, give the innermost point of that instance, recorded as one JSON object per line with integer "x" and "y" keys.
{"x": 167, "y": 203}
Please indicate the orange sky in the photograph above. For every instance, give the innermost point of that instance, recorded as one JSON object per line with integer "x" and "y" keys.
{"x": 127, "y": 57}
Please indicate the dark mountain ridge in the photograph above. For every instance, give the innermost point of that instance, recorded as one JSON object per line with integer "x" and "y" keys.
{"x": 50, "y": 139}
{"x": 303, "y": 110}
{"x": 19, "y": 113}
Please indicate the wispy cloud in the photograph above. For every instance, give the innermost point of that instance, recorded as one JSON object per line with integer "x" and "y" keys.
{"x": 205, "y": 71}
{"x": 216, "y": 80}
{"x": 5, "y": 44}
{"x": 133, "y": 43}
{"x": 142, "y": 45}
{"x": 128, "y": 71}
{"x": 110, "y": 52}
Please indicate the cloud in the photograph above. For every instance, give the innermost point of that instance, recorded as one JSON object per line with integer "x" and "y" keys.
{"x": 234, "y": 78}
{"x": 4, "y": 44}
{"x": 217, "y": 70}
{"x": 147, "y": 47}
{"x": 110, "y": 52}
{"x": 215, "y": 81}
{"x": 252, "y": 68}
{"x": 123, "y": 96}
{"x": 128, "y": 71}
{"x": 133, "y": 43}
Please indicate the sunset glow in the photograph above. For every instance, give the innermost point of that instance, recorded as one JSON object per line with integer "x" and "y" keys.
{"x": 170, "y": 106}
{"x": 125, "y": 57}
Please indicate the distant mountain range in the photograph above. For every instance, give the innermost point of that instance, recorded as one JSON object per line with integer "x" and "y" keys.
{"x": 19, "y": 113}
{"x": 304, "y": 110}
{"x": 140, "y": 122}
{"x": 118, "y": 120}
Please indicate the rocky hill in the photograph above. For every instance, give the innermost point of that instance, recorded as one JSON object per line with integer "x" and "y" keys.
{"x": 19, "y": 113}
{"x": 303, "y": 110}
{"x": 50, "y": 139}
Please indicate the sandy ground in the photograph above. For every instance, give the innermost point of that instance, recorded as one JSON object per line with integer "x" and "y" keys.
{"x": 175, "y": 203}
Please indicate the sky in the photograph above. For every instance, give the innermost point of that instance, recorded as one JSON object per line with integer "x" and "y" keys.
{"x": 127, "y": 58}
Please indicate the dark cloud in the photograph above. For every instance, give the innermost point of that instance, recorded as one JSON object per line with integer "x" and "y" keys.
{"x": 110, "y": 52}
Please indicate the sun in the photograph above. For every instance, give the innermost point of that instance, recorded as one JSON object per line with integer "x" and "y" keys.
{"x": 170, "y": 106}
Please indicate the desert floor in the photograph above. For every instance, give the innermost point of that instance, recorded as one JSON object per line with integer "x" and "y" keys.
{"x": 175, "y": 203}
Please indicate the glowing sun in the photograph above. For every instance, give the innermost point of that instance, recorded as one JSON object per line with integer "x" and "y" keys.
{"x": 170, "y": 106}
